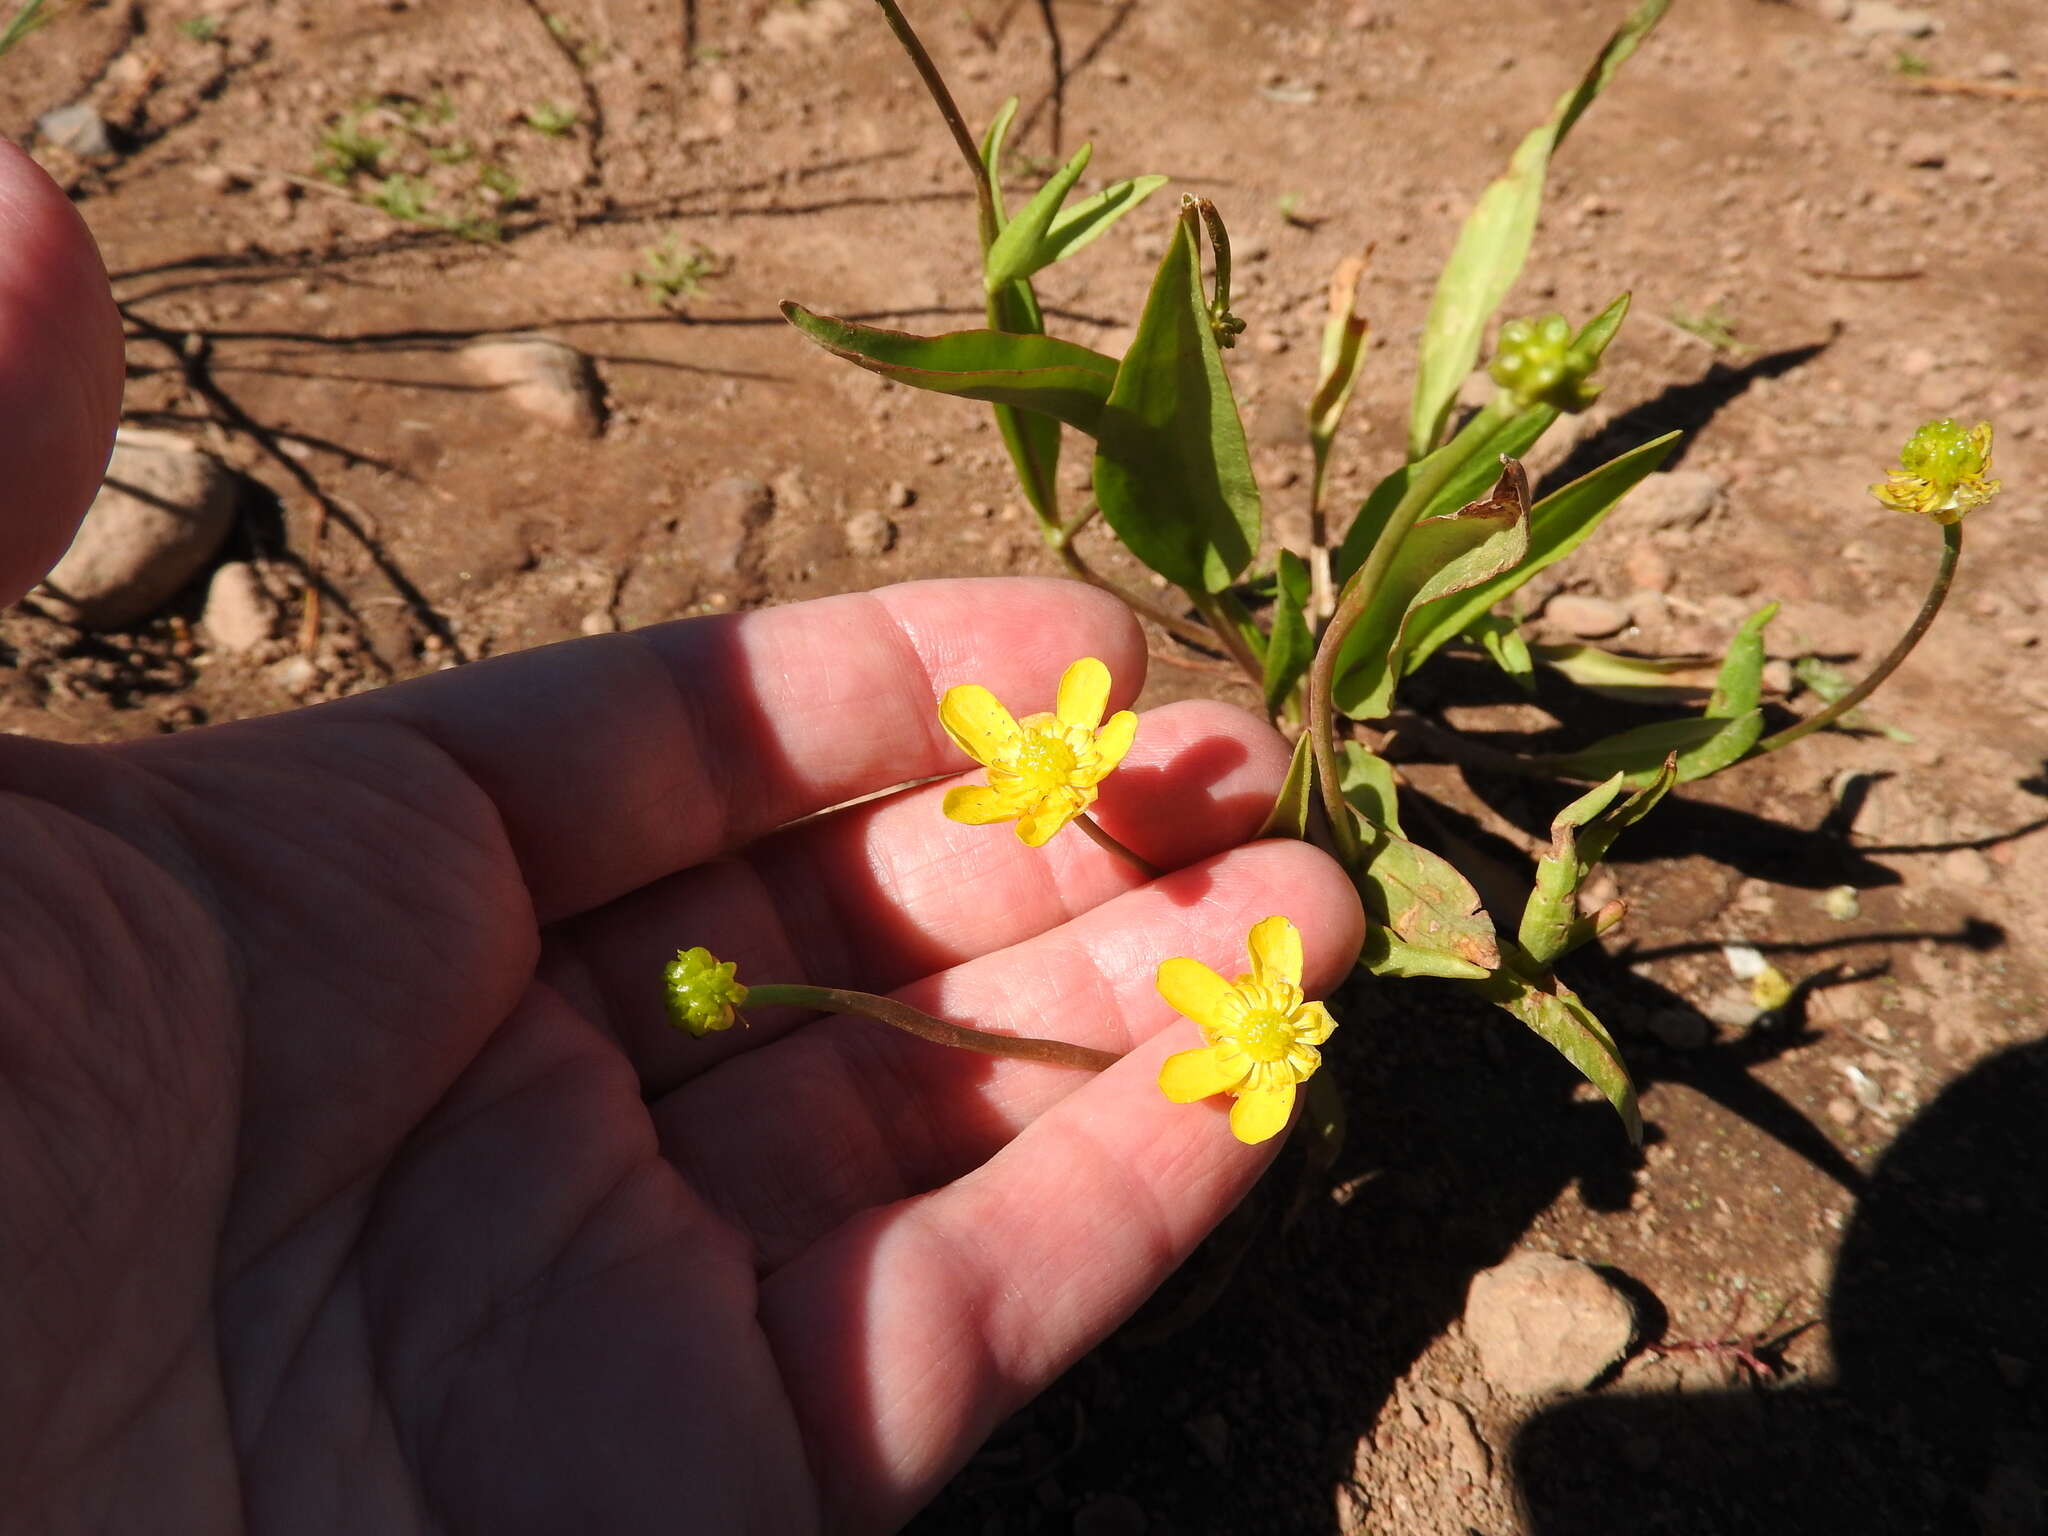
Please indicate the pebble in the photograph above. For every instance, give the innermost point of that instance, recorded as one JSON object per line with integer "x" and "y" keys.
{"x": 160, "y": 516}
{"x": 1967, "y": 867}
{"x": 1542, "y": 1324}
{"x": 1997, "y": 66}
{"x": 898, "y": 494}
{"x": 1681, "y": 1029}
{"x": 1842, "y": 1111}
{"x": 78, "y": 128}
{"x": 1927, "y": 151}
{"x": 215, "y": 178}
{"x": 1646, "y": 569}
{"x": 547, "y": 379}
{"x": 1841, "y": 903}
{"x": 868, "y": 534}
{"x": 239, "y": 615}
{"x": 1881, "y": 18}
{"x": 724, "y": 89}
{"x": 1589, "y": 618}
{"x": 723, "y": 519}
{"x": 1111, "y": 1514}
{"x": 1469, "y": 1455}
{"x": 1675, "y": 498}
{"x": 295, "y": 674}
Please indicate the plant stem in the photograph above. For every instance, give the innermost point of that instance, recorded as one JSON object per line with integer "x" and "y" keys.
{"x": 1351, "y": 605}
{"x": 1173, "y": 624}
{"x": 1103, "y": 840}
{"x": 886, "y": 1010}
{"x": 1937, "y": 593}
{"x": 1210, "y": 607}
{"x": 984, "y": 194}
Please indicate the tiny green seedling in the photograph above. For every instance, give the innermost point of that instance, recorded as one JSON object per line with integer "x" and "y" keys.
{"x": 551, "y": 118}
{"x": 671, "y": 270}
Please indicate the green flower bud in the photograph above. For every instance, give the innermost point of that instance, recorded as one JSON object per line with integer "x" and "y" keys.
{"x": 1538, "y": 364}
{"x": 699, "y": 991}
{"x": 1941, "y": 473}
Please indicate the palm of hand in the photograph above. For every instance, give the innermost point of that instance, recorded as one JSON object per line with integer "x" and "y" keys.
{"x": 363, "y": 1187}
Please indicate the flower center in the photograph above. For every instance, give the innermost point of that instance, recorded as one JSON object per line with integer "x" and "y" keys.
{"x": 1044, "y": 758}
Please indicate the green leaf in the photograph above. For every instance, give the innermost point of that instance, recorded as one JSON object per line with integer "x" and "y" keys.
{"x": 992, "y": 155}
{"x": 1031, "y": 439}
{"x": 1289, "y": 816}
{"x": 1440, "y": 556}
{"x": 1366, "y": 780}
{"x": 1580, "y": 836}
{"x": 1628, "y": 679}
{"x": 1172, "y": 473}
{"x": 1737, "y": 699}
{"x": 1470, "y": 462}
{"x": 1495, "y": 240}
{"x": 1556, "y": 1013}
{"x": 1424, "y": 918}
{"x": 1558, "y": 524}
{"x": 1037, "y": 373}
{"x": 1343, "y": 353}
{"x": 1637, "y": 754}
{"x": 1501, "y": 638}
{"x": 1290, "y": 647}
{"x": 1091, "y": 218}
{"x": 1018, "y": 250}
{"x": 1829, "y": 683}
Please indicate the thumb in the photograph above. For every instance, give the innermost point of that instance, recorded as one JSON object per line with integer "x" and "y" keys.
{"x": 60, "y": 371}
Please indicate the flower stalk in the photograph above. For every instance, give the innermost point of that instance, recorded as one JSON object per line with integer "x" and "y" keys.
{"x": 886, "y": 1010}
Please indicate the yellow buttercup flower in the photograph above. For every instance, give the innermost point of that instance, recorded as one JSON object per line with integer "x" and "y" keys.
{"x": 1262, "y": 1033}
{"x": 1043, "y": 769}
{"x": 1943, "y": 472}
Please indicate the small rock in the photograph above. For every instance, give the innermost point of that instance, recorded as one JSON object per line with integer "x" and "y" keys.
{"x": 598, "y": 622}
{"x": 724, "y": 89}
{"x": 547, "y": 379}
{"x": 295, "y": 674}
{"x": 1732, "y": 1008}
{"x": 1837, "y": 10}
{"x": 1675, "y": 498}
{"x": 239, "y": 614}
{"x": 215, "y": 178}
{"x": 723, "y": 520}
{"x": 1967, "y": 867}
{"x": 1647, "y": 569}
{"x": 1681, "y": 1029}
{"x": 78, "y": 128}
{"x": 1927, "y": 151}
{"x": 1881, "y": 18}
{"x": 1469, "y": 1455}
{"x": 1589, "y": 618}
{"x": 159, "y": 517}
{"x": 898, "y": 494}
{"x": 1841, "y": 903}
{"x": 1842, "y": 1111}
{"x": 1269, "y": 343}
{"x": 1111, "y": 1514}
{"x": 1543, "y": 1324}
{"x": 1997, "y": 66}
{"x": 868, "y": 534}
{"x": 1777, "y": 677}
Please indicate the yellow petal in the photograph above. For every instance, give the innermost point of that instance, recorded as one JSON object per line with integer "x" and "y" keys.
{"x": 1198, "y": 993}
{"x": 1190, "y": 1076}
{"x": 1114, "y": 740}
{"x": 978, "y": 805}
{"x": 1276, "y": 951}
{"x": 977, "y": 722}
{"x": 1314, "y": 1023}
{"x": 1261, "y": 1115}
{"x": 1084, "y": 693}
{"x": 1037, "y": 825}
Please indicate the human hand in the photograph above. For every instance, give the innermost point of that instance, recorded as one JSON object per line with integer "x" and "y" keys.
{"x": 353, "y": 1178}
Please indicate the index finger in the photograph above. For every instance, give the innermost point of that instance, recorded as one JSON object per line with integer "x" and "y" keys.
{"x": 615, "y": 761}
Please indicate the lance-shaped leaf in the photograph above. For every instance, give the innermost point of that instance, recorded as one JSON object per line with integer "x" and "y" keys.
{"x": 1289, "y": 816}
{"x": 1031, "y": 438}
{"x": 1172, "y": 473}
{"x": 992, "y": 155}
{"x": 1343, "y": 352}
{"x": 1090, "y": 219}
{"x": 1501, "y": 638}
{"x": 1056, "y": 378}
{"x": 1290, "y": 647}
{"x": 1441, "y": 555}
{"x": 1558, "y": 524}
{"x": 1630, "y": 679}
{"x": 1556, "y": 1013}
{"x": 1367, "y": 782}
{"x": 1721, "y": 736}
{"x": 1494, "y": 243}
{"x": 1579, "y": 840}
{"x": 1424, "y": 917}
{"x": 1016, "y": 252}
